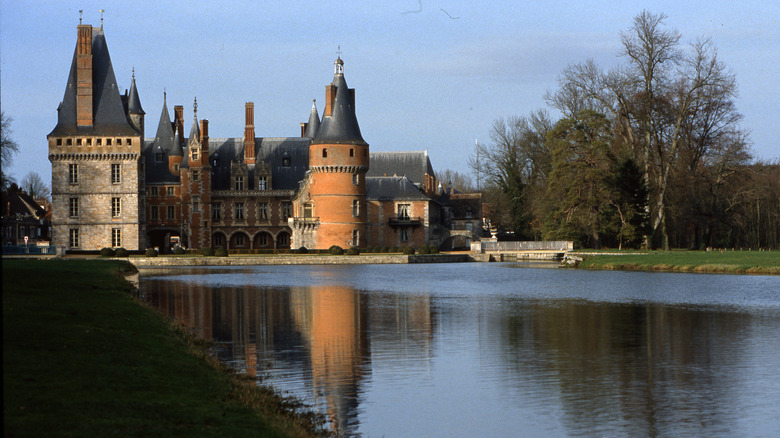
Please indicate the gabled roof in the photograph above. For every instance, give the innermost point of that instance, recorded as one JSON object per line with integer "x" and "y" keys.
{"x": 109, "y": 116}
{"x": 396, "y": 188}
{"x": 413, "y": 165}
{"x": 287, "y": 158}
{"x": 342, "y": 125}
{"x": 22, "y": 204}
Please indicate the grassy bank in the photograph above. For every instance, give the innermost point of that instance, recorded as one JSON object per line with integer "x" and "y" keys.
{"x": 81, "y": 357}
{"x": 731, "y": 262}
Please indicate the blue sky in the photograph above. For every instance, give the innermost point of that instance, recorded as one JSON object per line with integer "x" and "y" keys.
{"x": 429, "y": 75}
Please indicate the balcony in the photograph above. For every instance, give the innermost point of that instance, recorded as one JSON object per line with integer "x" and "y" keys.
{"x": 404, "y": 221}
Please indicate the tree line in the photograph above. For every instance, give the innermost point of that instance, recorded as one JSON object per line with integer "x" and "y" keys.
{"x": 648, "y": 154}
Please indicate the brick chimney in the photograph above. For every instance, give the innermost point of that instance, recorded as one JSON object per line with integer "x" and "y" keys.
{"x": 330, "y": 99}
{"x": 249, "y": 134}
{"x": 204, "y": 141}
{"x": 84, "y": 114}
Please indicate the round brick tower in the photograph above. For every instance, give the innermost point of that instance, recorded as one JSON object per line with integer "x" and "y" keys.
{"x": 338, "y": 162}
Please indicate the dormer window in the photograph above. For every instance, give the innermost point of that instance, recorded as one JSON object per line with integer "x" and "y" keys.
{"x": 286, "y": 161}
{"x": 239, "y": 183}
{"x": 262, "y": 183}
{"x": 158, "y": 157}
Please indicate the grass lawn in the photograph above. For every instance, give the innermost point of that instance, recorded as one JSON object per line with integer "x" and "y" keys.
{"x": 82, "y": 357}
{"x": 733, "y": 262}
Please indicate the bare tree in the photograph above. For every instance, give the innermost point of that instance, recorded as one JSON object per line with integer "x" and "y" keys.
{"x": 8, "y": 147}
{"x": 33, "y": 184}
{"x": 457, "y": 180}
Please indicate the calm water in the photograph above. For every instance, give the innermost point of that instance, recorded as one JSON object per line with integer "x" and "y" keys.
{"x": 486, "y": 349}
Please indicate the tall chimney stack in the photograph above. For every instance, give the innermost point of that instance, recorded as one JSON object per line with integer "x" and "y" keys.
{"x": 249, "y": 134}
{"x": 84, "y": 114}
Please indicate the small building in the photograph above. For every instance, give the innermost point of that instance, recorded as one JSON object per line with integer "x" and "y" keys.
{"x": 22, "y": 216}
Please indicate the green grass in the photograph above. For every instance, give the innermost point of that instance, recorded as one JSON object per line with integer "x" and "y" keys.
{"x": 733, "y": 262}
{"x": 82, "y": 357}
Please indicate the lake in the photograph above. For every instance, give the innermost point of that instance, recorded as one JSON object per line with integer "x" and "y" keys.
{"x": 495, "y": 349}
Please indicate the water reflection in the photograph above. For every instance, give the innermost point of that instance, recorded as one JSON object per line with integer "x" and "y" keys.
{"x": 400, "y": 361}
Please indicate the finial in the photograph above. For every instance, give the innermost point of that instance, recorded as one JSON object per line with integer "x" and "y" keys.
{"x": 81, "y": 11}
{"x": 339, "y": 64}
{"x": 195, "y": 108}
{"x": 101, "y": 17}
{"x": 101, "y": 26}
{"x": 165, "y": 95}
{"x": 338, "y": 52}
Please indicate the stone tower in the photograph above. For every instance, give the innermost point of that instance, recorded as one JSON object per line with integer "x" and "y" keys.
{"x": 196, "y": 186}
{"x": 95, "y": 154}
{"x": 338, "y": 162}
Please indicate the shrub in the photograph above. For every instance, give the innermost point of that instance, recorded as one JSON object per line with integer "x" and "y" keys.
{"x": 221, "y": 252}
{"x": 303, "y": 250}
{"x": 434, "y": 249}
{"x": 336, "y": 250}
{"x": 408, "y": 250}
{"x": 353, "y": 251}
{"x": 425, "y": 249}
{"x": 179, "y": 250}
{"x": 394, "y": 249}
{"x": 107, "y": 252}
{"x": 150, "y": 252}
{"x": 121, "y": 252}
{"x": 207, "y": 251}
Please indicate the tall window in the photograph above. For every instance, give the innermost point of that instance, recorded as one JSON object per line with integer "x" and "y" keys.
{"x": 239, "y": 240}
{"x": 155, "y": 212}
{"x": 263, "y": 211}
{"x": 158, "y": 157}
{"x": 218, "y": 243}
{"x": 262, "y": 183}
{"x": 154, "y": 191}
{"x": 355, "y": 208}
{"x": 116, "y": 237}
{"x": 404, "y": 231}
{"x": 116, "y": 208}
{"x": 263, "y": 239}
{"x": 286, "y": 210}
{"x": 324, "y": 153}
{"x": 73, "y": 173}
{"x": 171, "y": 212}
{"x": 403, "y": 211}
{"x": 239, "y": 183}
{"x": 196, "y": 175}
{"x": 116, "y": 173}
{"x": 195, "y": 154}
{"x": 73, "y": 207}
{"x": 216, "y": 211}
{"x": 355, "y": 238}
{"x": 239, "y": 210}
{"x": 355, "y": 178}
{"x": 196, "y": 204}
{"x": 73, "y": 238}
{"x": 170, "y": 191}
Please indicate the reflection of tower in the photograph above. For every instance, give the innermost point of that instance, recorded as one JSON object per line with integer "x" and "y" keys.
{"x": 338, "y": 344}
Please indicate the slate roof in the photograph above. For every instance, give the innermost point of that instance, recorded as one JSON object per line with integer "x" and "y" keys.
{"x": 398, "y": 188}
{"x": 22, "y": 204}
{"x": 133, "y": 101}
{"x": 413, "y": 165}
{"x": 109, "y": 116}
{"x": 341, "y": 127}
{"x": 274, "y": 151}
{"x": 314, "y": 122}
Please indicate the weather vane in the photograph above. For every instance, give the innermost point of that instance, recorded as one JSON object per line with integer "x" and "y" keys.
{"x": 81, "y": 11}
{"x": 101, "y": 17}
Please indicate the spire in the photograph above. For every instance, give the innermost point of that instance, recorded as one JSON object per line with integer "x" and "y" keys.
{"x": 134, "y": 102}
{"x": 339, "y": 124}
{"x": 195, "y": 131}
{"x": 164, "y": 136}
{"x": 314, "y": 121}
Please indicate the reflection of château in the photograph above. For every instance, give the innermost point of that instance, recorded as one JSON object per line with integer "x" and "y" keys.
{"x": 112, "y": 187}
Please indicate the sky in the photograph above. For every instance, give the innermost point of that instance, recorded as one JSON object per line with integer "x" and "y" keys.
{"x": 428, "y": 75}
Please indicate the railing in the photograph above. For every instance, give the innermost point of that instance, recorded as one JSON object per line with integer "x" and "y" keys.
{"x": 29, "y": 249}
{"x": 299, "y": 221}
{"x": 554, "y": 245}
{"x": 404, "y": 220}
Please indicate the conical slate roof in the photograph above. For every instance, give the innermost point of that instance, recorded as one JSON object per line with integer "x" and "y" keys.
{"x": 314, "y": 121}
{"x": 164, "y": 138}
{"x": 134, "y": 102}
{"x": 342, "y": 125}
{"x": 109, "y": 116}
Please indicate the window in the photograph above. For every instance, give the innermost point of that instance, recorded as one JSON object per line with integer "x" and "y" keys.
{"x": 59, "y": 142}
{"x": 78, "y": 142}
{"x": 108, "y": 142}
{"x": 239, "y": 210}
{"x": 129, "y": 141}
{"x": 155, "y": 213}
{"x": 355, "y": 208}
{"x": 308, "y": 210}
{"x": 196, "y": 204}
{"x": 116, "y": 207}
{"x": 355, "y": 179}
{"x": 154, "y": 191}
{"x": 351, "y": 152}
{"x": 355, "y": 238}
{"x": 176, "y": 168}
{"x": 119, "y": 142}
{"x": 283, "y": 240}
{"x": 73, "y": 173}
{"x": 404, "y": 231}
{"x": 403, "y": 211}
{"x": 324, "y": 153}
{"x": 73, "y": 207}
{"x": 158, "y": 157}
{"x": 218, "y": 241}
{"x": 239, "y": 183}
{"x": 116, "y": 173}
{"x": 100, "y": 142}
{"x": 73, "y": 238}
{"x": 239, "y": 240}
{"x": 263, "y": 211}
{"x": 286, "y": 210}
{"x": 69, "y": 142}
{"x": 171, "y": 213}
{"x": 195, "y": 154}
{"x": 196, "y": 175}
{"x": 216, "y": 211}
{"x": 286, "y": 161}
{"x": 170, "y": 191}
{"x": 263, "y": 240}
{"x": 89, "y": 142}
{"x": 116, "y": 237}
{"x": 262, "y": 183}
